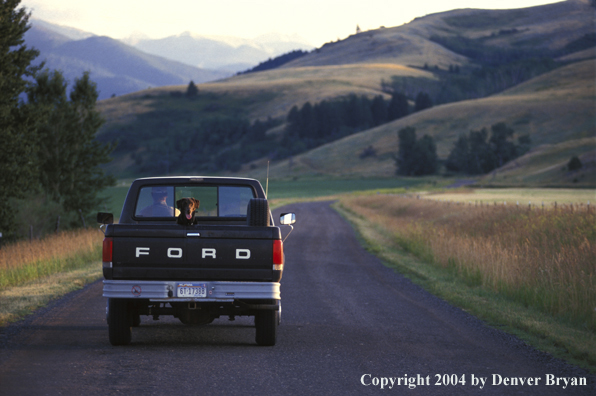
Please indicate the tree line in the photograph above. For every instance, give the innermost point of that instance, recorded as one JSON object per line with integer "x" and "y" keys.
{"x": 49, "y": 158}
{"x": 476, "y": 153}
{"x": 313, "y": 125}
{"x": 276, "y": 62}
{"x": 416, "y": 157}
{"x": 214, "y": 144}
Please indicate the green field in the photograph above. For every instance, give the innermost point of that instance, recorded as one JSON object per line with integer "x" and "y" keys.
{"x": 315, "y": 188}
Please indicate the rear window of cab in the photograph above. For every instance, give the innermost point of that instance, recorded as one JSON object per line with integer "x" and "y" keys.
{"x": 215, "y": 201}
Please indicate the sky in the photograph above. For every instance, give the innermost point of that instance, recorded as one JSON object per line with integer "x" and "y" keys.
{"x": 315, "y": 21}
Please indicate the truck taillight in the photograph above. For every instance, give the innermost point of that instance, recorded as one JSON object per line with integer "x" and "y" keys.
{"x": 108, "y": 245}
{"x": 278, "y": 255}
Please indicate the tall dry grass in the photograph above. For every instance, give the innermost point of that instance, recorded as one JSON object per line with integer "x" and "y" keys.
{"x": 29, "y": 260}
{"x": 542, "y": 258}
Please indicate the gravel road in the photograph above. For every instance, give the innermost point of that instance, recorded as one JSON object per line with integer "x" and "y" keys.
{"x": 350, "y": 326}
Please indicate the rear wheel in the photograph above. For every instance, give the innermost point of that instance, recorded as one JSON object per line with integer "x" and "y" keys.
{"x": 266, "y": 323}
{"x": 119, "y": 322}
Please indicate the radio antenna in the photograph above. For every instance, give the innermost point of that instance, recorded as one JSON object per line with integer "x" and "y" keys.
{"x": 267, "y": 185}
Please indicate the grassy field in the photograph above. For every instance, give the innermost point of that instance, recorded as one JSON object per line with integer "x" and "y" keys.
{"x": 524, "y": 197}
{"x": 33, "y": 273}
{"x": 531, "y": 271}
{"x": 19, "y": 301}
{"x": 314, "y": 188}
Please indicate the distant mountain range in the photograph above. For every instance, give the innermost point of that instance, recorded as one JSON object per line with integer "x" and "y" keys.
{"x": 231, "y": 54}
{"x": 121, "y": 67}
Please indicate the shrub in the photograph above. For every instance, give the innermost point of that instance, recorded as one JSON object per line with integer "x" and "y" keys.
{"x": 574, "y": 163}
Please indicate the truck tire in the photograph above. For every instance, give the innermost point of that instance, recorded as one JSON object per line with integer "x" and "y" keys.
{"x": 266, "y": 323}
{"x": 258, "y": 213}
{"x": 119, "y": 322}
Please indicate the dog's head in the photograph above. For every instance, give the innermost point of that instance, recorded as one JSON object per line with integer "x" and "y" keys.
{"x": 187, "y": 207}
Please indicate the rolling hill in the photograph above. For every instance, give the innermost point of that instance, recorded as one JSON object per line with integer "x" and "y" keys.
{"x": 555, "y": 105}
{"x": 425, "y": 40}
{"x": 556, "y": 110}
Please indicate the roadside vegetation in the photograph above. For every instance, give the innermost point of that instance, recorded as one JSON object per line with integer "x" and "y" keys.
{"x": 531, "y": 270}
{"x": 34, "y": 272}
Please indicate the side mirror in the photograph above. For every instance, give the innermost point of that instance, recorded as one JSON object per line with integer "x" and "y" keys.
{"x": 287, "y": 218}
{"x": 105, "y": 218}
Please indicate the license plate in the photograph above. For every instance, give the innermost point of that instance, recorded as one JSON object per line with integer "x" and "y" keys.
{"x": 191, "y": 290}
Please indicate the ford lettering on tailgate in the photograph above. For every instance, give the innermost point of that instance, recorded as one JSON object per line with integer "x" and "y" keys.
{"x": 193, "y": 253}
{"x": 241, "y": 254}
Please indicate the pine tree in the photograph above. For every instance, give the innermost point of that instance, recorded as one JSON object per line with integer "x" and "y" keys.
{"x": 474, "y": 154}
{"x": 192, "y": 90}
{"x": 574, "y": 163}
{"x": 355, "y": 112}
{"x": 480, "y": 156}
{"x": 69, "y": 163}
{"x": 398, "y": 106}
{"x": 416, "y": 157}
{"x": 424, "y": 157}
{"x": 503, "y": 149}
{"x": 458, "y": 157}
{"x": 18, "y": 144}
{"x": 308, "y": 124}
{"x": 423, "y": 101}
{"x": 379, "y": 110}
{"x": 293, "y": 120}
{"x": 407, "y": 142}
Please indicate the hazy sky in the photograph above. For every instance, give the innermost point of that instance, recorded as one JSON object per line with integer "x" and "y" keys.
{"x": 316, "y": 21}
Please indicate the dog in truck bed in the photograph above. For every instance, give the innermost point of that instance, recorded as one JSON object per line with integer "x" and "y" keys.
{"x": 187, "y": 207}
